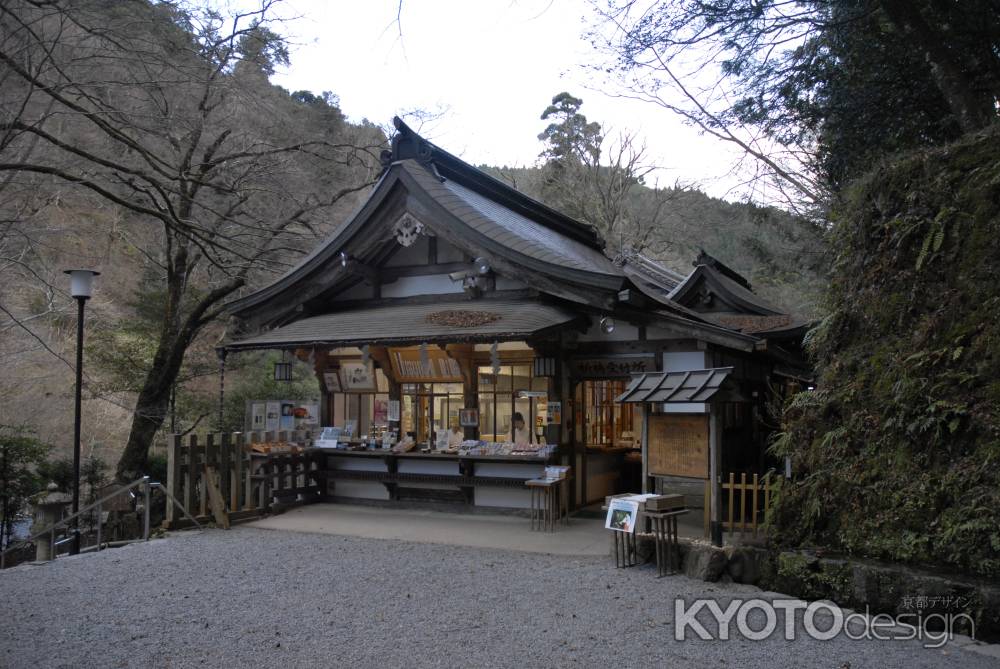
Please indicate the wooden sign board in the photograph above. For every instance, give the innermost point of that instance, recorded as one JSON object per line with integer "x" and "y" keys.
{"x": 408, "y": 367}
{"x": 613, "y": 366}
{"x": 678, "y": 445}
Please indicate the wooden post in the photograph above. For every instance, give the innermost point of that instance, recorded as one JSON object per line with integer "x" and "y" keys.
{"x": 225, "y": 473}
{"x": 191, "y": 475}
{"x": 708, "y": 508}
{"x": 236, "y": 483}
{"x": 204, "y": 453}
{"x": 211, "y": 478}
{"x": 465, "y": 356}
{"x": 715, "y": 474}
{"x": 644, "y": 445}
{"x": 174, "y": 457}
{"x": 755, "y": 507}
{"x": 743, "y": 502}
{"x": 732, "y": 491}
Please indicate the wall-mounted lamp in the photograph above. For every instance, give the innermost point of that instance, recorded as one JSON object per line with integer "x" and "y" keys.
{"x": 607, "y": 325}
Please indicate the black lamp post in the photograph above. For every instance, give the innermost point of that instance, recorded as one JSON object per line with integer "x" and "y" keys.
{"x": 81, "y": 288}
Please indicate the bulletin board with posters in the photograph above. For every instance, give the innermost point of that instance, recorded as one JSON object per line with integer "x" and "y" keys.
{"x": 678, "y": 445}
{"x": 274, "y": 415}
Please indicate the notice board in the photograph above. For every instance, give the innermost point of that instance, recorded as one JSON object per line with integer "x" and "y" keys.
{"x": 678, "y": 445}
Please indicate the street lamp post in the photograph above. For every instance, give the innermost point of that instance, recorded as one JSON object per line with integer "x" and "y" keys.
{"x": 81, "y": 288}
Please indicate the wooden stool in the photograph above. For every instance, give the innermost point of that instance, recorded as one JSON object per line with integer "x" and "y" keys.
{"x": 544, "y": 503}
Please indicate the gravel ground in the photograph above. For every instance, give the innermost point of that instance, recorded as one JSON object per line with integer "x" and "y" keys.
{"x": 259, "y": 598}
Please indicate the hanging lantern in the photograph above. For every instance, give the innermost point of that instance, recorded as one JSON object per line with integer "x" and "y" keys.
{"x": 425, "y": 359}
{"x": 283, "y": 369}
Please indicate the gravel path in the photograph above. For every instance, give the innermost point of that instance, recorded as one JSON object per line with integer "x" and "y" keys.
{"x": 259, "y": 598}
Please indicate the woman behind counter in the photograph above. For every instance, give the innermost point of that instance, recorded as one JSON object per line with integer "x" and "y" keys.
{"x": 520, "y": 434}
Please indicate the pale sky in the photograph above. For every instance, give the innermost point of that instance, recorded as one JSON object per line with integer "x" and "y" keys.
{"x": 492, "y": 66}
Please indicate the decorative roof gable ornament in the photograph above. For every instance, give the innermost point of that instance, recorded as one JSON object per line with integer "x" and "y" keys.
{"x": 407, "y": 229}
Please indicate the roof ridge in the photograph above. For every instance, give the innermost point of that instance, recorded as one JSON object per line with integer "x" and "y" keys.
{"x": 407, "y": 143}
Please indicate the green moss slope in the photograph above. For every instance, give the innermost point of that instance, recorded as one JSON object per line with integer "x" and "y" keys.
{"x": 897, "y": 455}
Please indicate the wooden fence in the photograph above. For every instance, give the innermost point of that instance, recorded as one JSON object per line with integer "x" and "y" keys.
{"x": 221, "y": 477}
{"x": 745, "y": 502}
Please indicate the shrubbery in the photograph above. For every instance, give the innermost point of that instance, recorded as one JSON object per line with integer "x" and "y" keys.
{"x": 897, "y": 455}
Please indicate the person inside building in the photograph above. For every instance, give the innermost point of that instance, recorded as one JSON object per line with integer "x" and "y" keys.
{"x": 455, "y": 436}
{"x": 520, "y": 434}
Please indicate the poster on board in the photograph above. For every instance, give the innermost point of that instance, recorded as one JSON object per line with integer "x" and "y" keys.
{"x": 287, "y": 416}
{"x": 258, "y": 415}
{"x": 380, "y": 412}
{"x": 272, "y": 419}
{"x": 621, "y": 515}
{"x": 393, "y": 411}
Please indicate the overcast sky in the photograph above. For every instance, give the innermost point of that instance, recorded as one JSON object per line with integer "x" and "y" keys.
{"x": 492, "y": 66}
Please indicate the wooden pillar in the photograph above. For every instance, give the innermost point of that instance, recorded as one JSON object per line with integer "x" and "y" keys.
{"x": 380, "y": 356}
{"x": 319, "y": 369}
{"x": 567, "y": 443}
{"x": 465, "y": 356}
{"x": 644, "y": 410}
{"x": 715, "y": 474}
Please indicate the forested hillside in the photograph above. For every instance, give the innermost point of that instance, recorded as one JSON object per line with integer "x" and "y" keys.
{"x": 782, "y": 255}
{"x": 145, "y": 140}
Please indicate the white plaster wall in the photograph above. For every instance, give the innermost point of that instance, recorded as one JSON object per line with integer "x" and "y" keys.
{"x": 432, "y": 284}
{"x": 503, "y": 283}
{"x": 623, "y": 332}
{"x": 360, "y": 291}
{"x": 684, "y": 361}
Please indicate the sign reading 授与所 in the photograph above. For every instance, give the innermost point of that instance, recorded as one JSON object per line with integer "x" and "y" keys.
{"x": 612, "y": 366}
{"x": 678, "y": 445}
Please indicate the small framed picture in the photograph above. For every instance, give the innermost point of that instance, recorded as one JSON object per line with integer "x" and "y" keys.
{"x": 468, "y": 417}
{"x": 331, "y": 379}
{"x": 357, "y": 376}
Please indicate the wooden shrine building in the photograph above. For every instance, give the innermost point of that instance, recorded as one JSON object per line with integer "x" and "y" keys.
{"x": 448, "y": 290}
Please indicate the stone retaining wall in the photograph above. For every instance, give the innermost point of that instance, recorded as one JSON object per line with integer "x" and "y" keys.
{"x": 851, "y": 583}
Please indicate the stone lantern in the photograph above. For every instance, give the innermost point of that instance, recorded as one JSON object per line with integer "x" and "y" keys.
{"x": 49, "y": 506}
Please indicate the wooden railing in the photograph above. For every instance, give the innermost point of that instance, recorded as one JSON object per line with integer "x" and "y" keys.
{"x": 219, "y": 476}
{"x": 745, "y": 502}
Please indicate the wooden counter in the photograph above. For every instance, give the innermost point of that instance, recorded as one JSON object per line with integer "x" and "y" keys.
{"x": 477, "y": 480}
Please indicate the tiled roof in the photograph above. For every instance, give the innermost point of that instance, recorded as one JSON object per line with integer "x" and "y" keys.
{"x": 413, "y": 323}
{"x": 673, "y": 387}
{"x": 526, "y": 236}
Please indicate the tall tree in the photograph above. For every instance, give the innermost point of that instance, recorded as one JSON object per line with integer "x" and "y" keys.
{"x": 593, "y": 178}
{"x": 781, "y": 79}
{"x": 165, "y": 112}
